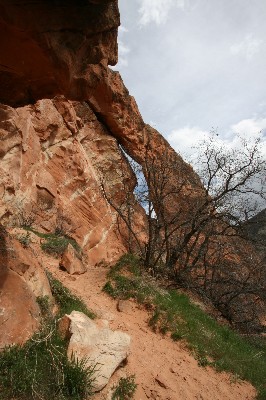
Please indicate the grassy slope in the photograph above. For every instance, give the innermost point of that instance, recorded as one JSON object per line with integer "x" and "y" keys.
{"x": 211, "y": 343}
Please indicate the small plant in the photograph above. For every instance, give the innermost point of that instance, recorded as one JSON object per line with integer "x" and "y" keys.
{"x": 125, "y": 389}
{"x": 55, "y": 243}
{"x": 25, "y": 239}
{"x": 176, "y": 336}
{"x": 108, "y": 288}
{"x": 153, "y": 321}
{"x": 79, "y": 377}
{"x": 202, "y": 360}
{"x": 44, "y": 304}
{"x": 67, "y": 301}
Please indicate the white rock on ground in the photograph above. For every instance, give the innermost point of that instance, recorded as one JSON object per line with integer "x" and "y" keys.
{"x": 102, "y": 347}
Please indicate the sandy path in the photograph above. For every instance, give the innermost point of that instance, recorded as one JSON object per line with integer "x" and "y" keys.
{"x": 163, "y": 369}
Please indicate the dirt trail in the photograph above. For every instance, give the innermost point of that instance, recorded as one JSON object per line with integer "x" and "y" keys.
{"x": 163, "y": 369}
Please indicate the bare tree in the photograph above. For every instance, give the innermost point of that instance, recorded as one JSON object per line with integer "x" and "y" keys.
{"x": 195, "y": 231}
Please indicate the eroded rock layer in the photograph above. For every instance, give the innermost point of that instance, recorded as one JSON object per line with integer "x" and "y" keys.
{"x": 45, "y": 45}
{"x": 22, "y": 282}
{"x": 55, "y": 156}
{"x": 56, "y": 153}
{"x": 66, "y": 120}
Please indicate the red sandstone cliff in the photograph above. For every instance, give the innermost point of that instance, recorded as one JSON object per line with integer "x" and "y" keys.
{"x": 63, "y": 116}
{"x": 55, "y": 152}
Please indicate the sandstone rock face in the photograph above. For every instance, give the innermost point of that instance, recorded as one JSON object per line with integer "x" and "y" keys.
{"x": 19, "y": 312}
{"x": 102, "y": 347}
{"x": 61, "y": 156}
{"x": 22, "y": 280}
{"x": 55, "y": 155}
{"x": 71, "y": 262}
{"x": 65, "y": 122}
{"x": 60, "y": 151}
{"x": 45, "y": 45}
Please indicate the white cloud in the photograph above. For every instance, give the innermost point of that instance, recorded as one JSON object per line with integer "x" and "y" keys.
{"x": 248, "y": 47}
{"x": 123, "y": 49}
{"x": 250, "y": 127}
{"x": 122, "y": 29}
{"x": 187, "y": 139}
{"x": 183, "y": 140}
{"x": 157, "y": 10}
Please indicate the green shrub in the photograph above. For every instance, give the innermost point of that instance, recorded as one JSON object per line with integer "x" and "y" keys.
{"x": 25, "y": 240}
{"x": 55, "y": 243}
{"x": 44, "y": 304}
{"x": 127, "y": 262}
{"x": 176, "y": 336}
{"x": 108, "y": 288}
{"x": 125, "y": 389}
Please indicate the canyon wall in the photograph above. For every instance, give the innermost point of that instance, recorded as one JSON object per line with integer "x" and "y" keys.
{"x": 75, "y": 114}
{"x": 63, "y": 118}
{"x": 67, "y": 126}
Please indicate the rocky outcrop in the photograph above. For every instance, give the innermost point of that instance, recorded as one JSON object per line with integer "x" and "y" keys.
{"x": 46, "y": 45}
{"x": 54, "y": 157}
{"x": 70, "y": 53}
{"x": 73, "y": 54}
{"x": 22, "y": 281}
{"x": 71, "y": 262}
{"x": 103, "y": 348}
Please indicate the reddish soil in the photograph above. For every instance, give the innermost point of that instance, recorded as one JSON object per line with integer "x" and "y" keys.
{"x": 163, "y": 369}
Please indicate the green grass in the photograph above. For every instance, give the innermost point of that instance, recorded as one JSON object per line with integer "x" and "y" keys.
{"x": 125, "y": 389}
{"x": 55, "y": 243}
{"x": 66, "y": 300}
{"x": 40, "y": 369}
{"x": 211, "y": 343}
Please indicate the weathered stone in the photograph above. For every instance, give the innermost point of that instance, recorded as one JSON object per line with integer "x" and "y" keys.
{"x": 41, "y": 55}
{"x": 19, "y": 312}
{"x": 162, "y": 381}
{"x": 124, "y": 306}
{"x": 103, "y": 348}
{"x": 71, "y": 263}
{"x": 64, "y": 327}
{"x": 53, "y": 177}
{"x": 22, "y": 280}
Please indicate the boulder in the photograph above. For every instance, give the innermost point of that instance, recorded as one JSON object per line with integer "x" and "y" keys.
{"x": 22, "y": 282}
{"x": 97, "y": 343}
{"x": 19, "y": 312}
{"x": 71, "y": 262}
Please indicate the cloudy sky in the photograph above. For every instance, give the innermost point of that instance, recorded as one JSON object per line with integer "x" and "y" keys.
{"x": 196, "y": 65}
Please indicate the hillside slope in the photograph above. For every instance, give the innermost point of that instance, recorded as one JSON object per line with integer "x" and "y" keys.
{"x": 164, "y": 369}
